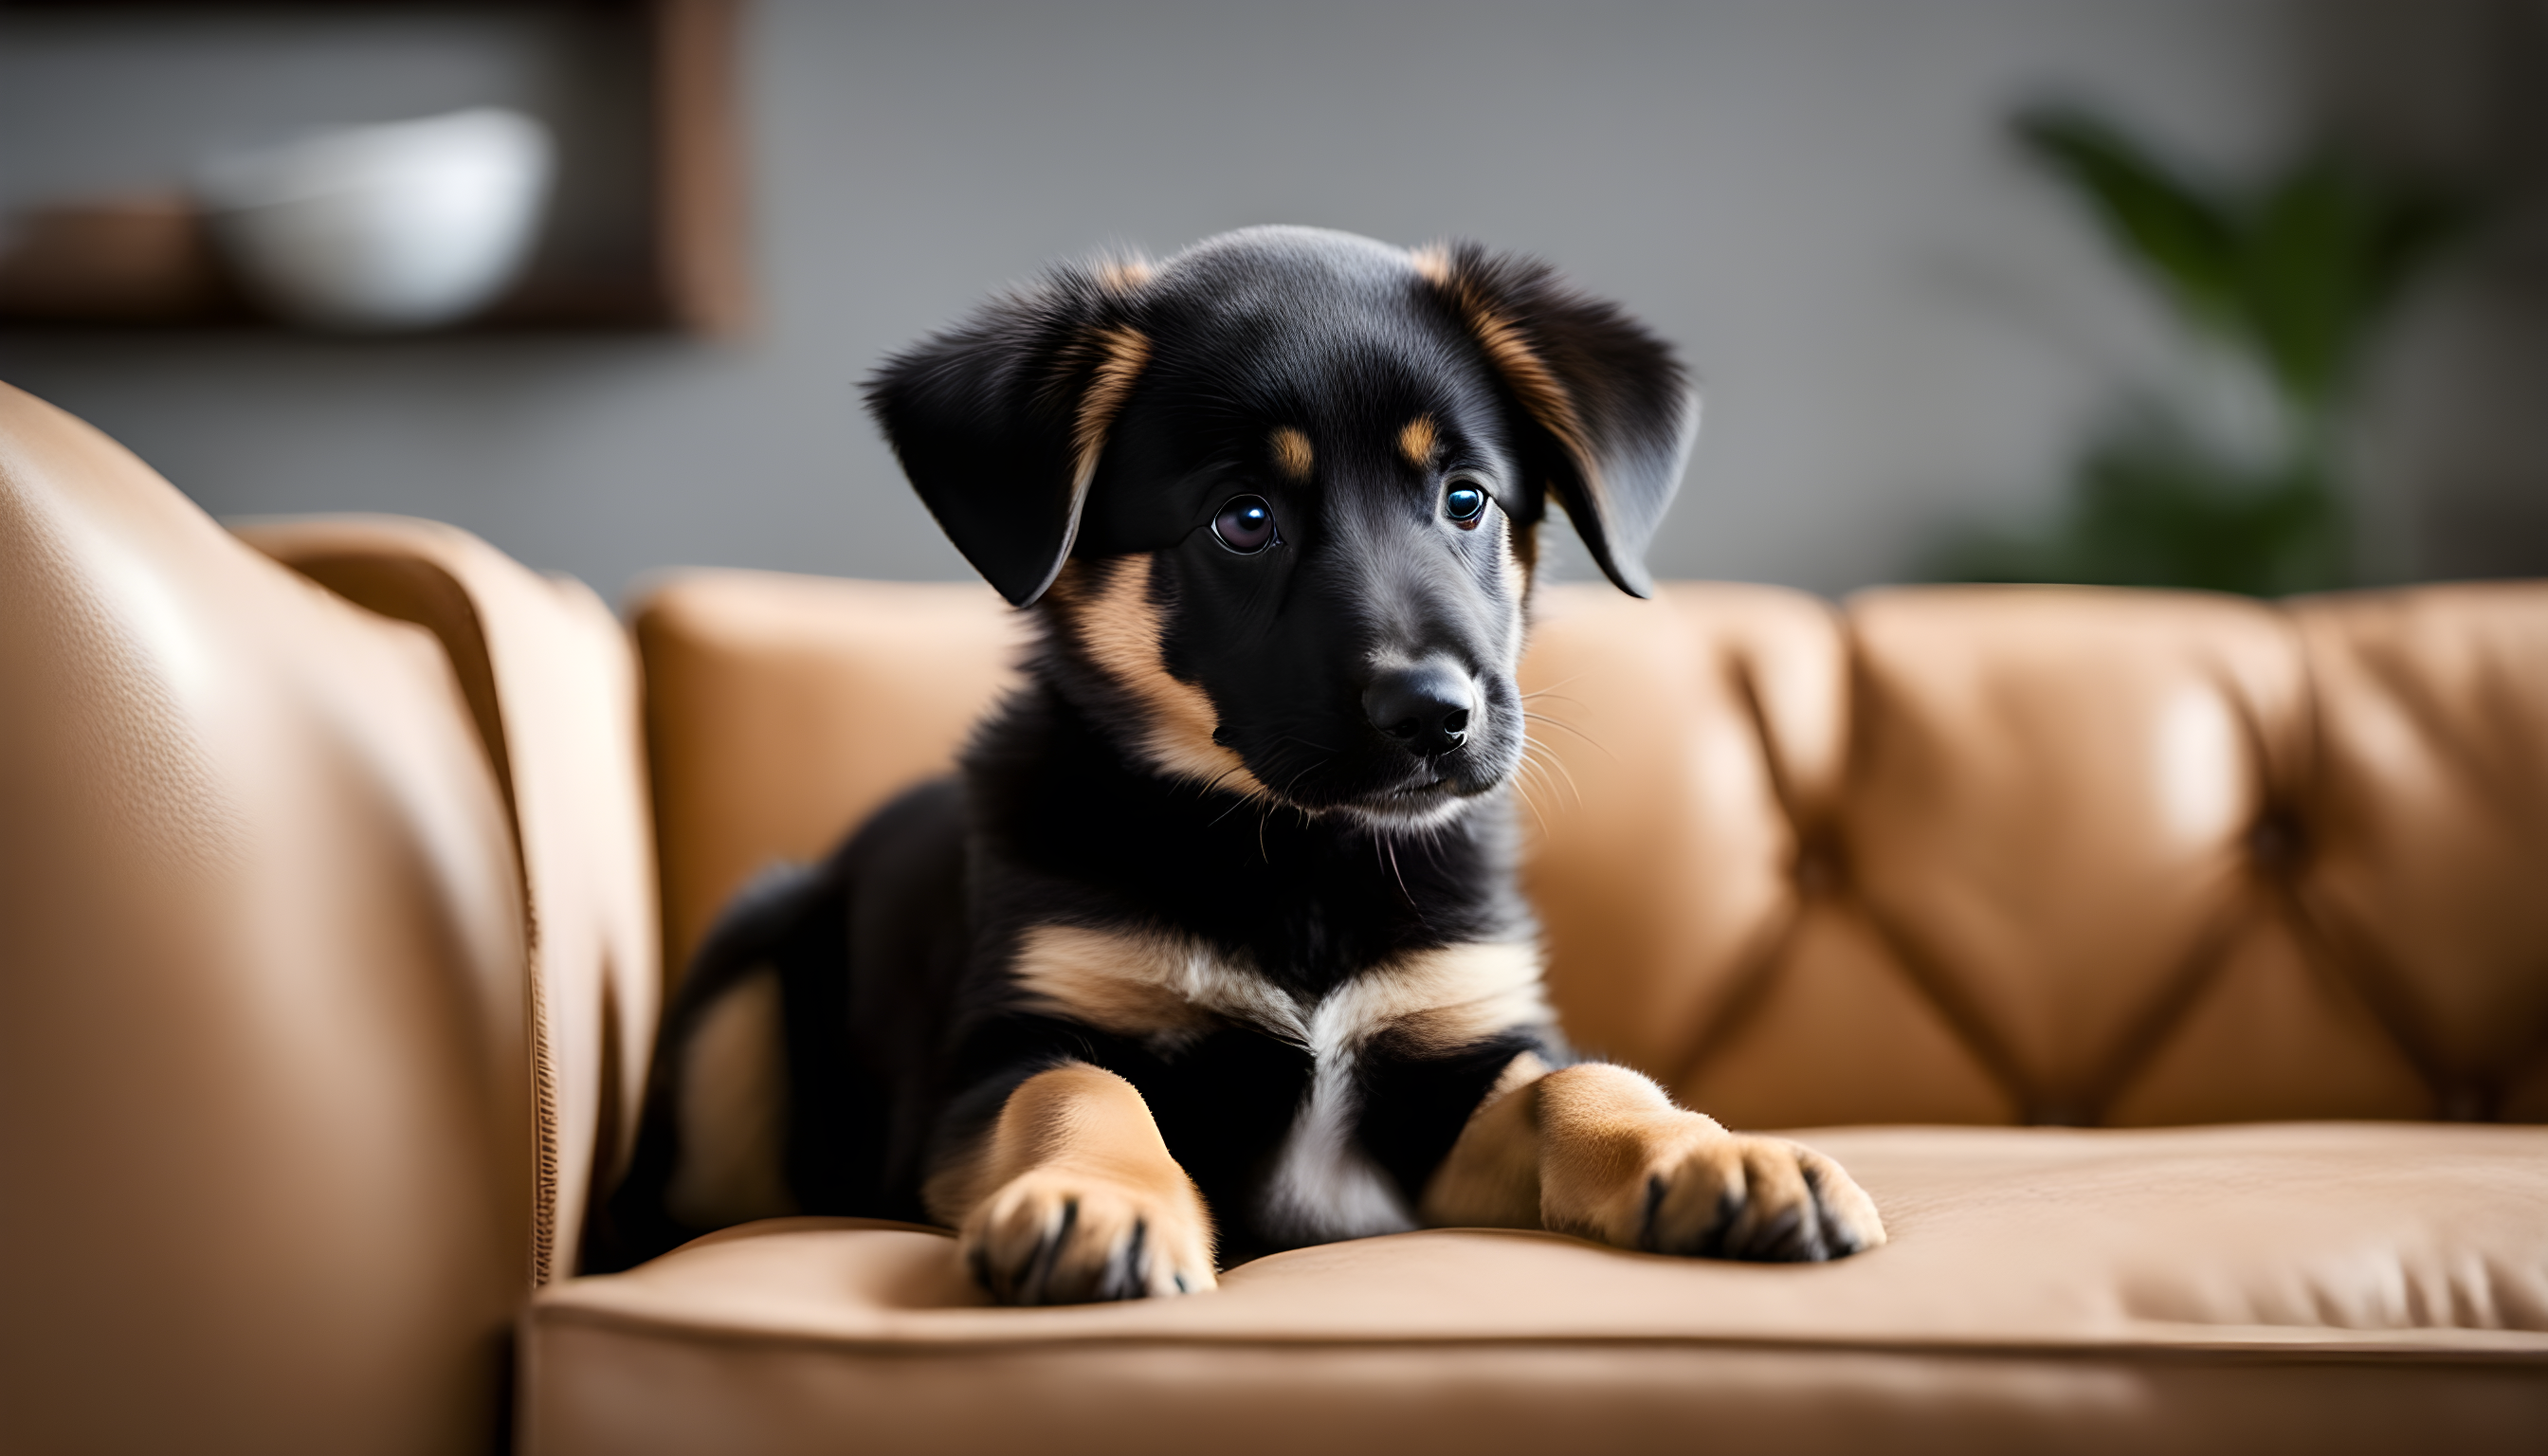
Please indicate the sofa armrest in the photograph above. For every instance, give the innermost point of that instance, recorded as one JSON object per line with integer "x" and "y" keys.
{"x": 552, "y": 685}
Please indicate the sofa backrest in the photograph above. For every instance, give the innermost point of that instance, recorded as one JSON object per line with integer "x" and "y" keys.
{"x": 1944, "y": 854}
{"x": 2057, "y": 854}
{"x": 267, "y": 1150}
{"x": 327, "y": 962}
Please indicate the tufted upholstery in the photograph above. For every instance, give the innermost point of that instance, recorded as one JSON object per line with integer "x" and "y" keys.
{"x": 1947, "y": 856}
{"x": 2053, "y": 854}
{"x": 323, "y": 960}
{"x": 1941, "y": 856}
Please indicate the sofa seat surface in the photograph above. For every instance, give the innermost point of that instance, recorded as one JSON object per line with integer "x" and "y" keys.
{"x": 2322, "y": 1286}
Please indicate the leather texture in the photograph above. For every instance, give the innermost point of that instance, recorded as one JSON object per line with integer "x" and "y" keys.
{"x": 551, "y": 682}
{"x": 2053, "y": 854}
{"x": 2323, "y": 1288}
{"x": 266, "y": 1112}
{"x": 1993, "y": 856}
{"x": 327, "y": 963}
{"x": 1944, "y": 856}
{"x": 782, "y": 709}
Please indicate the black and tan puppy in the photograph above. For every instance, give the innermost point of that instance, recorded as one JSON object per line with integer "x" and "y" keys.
{"x": 1214, "y": 947}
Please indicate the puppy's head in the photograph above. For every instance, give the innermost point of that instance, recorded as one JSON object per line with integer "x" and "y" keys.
{"x": 1278, "y": 496}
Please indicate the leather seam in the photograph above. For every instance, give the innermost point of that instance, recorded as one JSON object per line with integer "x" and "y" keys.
{"x": 2381, "y": 1352}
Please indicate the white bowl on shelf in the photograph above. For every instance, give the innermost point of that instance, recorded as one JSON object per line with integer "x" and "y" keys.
{"x": 406, "y": 225}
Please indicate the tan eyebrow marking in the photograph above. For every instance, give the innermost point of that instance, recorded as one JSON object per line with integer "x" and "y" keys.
{"x": 1528, "y": 375}
{"x": 1292, "y": 452}
{"x": 1417, "y": 440}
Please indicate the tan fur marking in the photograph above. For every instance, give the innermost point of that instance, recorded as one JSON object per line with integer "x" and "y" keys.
{"x": 1490, "y": 1180}
{"x": 1291, "y": 454}
{"x": 1121, "y": 353}
{"x": 1074, "y": 1157}
{"x": 731, "y": 1111}
{"x": 1119, "y": 627}
{"x": 1604, "y": 1129}
{"x": 1143, "y": 984}
{"x": 1608, "y": 1137}
{"x": 1126, "y": 274}
{"x": 1521, "y": 548}
{"x": 1598, "y": 1151}
{"x": 1541, "y": 391}
{"x": 1417, "y": 441}
{"x": 1450, "y": 996}
{"x": 1137, "y": 983}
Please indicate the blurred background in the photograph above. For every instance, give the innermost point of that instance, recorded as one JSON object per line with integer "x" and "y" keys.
{"x": 1948, "y": 269}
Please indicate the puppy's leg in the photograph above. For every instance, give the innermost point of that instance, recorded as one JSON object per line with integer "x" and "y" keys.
{"x": 1598, "y": 1151}
{"x": 1070, "y": 1197}
{"x": 730, "y": 1109}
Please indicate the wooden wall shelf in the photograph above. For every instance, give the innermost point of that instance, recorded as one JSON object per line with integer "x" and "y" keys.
{"x": 143, "y": 261}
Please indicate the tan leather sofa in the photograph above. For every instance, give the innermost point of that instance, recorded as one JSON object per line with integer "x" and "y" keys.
{"x": 2173, "y": 970}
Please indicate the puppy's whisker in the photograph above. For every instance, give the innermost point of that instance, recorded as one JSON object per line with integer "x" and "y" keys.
{"x": 1562, "y": 724}
{"x": 1528, "y": 784}
{"x": 1550, "y": 691}
{"x": 1573, "y": 790}
{"x": 1390, "y": 847}
{"x": 1216, "y": 780}
{"x": 1305, "y": 772}
{"x": 1550, "y": 765}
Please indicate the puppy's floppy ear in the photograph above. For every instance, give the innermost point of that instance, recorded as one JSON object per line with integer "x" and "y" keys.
{"x": 1608, "y": 414}
{"x": 1000, "y": 420}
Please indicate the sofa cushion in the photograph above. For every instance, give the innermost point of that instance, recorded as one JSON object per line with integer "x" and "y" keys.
{"x": 2319, "y": 1287}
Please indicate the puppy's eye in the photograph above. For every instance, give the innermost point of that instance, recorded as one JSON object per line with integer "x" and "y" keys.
{"x": 1245, "y": 524}
{"x": 1465, "y": 503}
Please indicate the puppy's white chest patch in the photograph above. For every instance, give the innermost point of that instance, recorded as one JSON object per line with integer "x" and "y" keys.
{"x": 1169, "y": 990}
{"x": 1324, "y": 1185}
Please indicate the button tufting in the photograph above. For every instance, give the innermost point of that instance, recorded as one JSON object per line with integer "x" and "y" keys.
{"x": 2276, "y": 844}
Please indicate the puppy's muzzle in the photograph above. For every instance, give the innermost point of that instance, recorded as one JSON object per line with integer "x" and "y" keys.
{"x": 1423, "y": 708}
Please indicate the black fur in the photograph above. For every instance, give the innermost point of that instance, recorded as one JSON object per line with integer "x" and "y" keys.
{"x": 1322, "y": 847}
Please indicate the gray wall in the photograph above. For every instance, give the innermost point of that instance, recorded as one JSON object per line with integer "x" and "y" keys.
{"x": 1900, "y": 325}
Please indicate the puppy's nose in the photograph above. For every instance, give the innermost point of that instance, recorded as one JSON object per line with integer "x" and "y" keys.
{"x": 1424, "y": 707}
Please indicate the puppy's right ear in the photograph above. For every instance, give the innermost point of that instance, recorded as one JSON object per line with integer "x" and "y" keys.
{"x": 1000, "y": 422}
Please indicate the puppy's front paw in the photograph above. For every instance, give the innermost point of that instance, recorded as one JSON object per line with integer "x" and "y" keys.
{"x": 1730, "y": 1197}
{"x": 1054, "y": 1237}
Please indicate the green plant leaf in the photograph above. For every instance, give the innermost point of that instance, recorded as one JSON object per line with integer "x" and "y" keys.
{"x": 2163, "y": 220}
{"x": 2330, "y": 252}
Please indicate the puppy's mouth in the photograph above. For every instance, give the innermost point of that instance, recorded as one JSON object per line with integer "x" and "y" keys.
{"x": 1430, "y": 796}
{"x": 1323, "y": 764}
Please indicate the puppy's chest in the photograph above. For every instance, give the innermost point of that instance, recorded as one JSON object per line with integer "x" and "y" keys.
{"x": 1170, "y": 992}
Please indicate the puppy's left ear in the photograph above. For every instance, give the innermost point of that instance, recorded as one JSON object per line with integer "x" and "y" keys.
{"x": 1000, "y": 420}
{"x": 1608, "y": 414}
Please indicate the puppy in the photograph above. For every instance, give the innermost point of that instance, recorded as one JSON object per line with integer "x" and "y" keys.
{"x": 1214, "y": 947}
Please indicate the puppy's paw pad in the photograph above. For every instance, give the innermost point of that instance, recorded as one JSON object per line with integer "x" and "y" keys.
{"x": 1052, "y": 1238}
{"x": 1761, "y": 1198}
